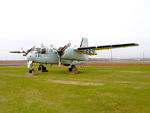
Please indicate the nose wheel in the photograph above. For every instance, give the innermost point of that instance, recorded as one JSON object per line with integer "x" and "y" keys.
{"x": 30, "y": 65}
{"x": 31, "y": 71}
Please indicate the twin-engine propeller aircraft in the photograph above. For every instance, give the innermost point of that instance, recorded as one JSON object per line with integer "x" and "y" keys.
{"x": 66, "y": 55}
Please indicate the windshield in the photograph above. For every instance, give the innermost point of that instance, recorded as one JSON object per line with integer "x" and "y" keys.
{"x": 37, "y": 50}
{"x": 40, "y": 50}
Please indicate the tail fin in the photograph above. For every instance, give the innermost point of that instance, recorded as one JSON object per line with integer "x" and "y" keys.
{"x": 84, "y": 42}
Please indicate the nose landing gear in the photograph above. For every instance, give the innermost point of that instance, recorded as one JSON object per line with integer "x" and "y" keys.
{"x": 31, "y": 71}
{"x": 30, "y": 65}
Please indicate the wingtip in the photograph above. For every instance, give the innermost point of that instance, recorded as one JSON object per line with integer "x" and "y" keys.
{"x": 136, "y": 44}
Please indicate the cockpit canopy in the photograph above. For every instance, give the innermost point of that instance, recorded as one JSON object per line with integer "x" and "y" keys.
{"x": 40, "y": 50}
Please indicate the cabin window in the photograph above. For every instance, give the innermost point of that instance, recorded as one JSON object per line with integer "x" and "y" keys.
{"x": 43, "y": 51}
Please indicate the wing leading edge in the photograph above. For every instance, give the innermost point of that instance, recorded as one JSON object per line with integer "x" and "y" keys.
{"x": 91, "y": 50}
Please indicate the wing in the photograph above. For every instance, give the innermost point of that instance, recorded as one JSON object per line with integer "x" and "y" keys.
{"x": 91, "y": 50}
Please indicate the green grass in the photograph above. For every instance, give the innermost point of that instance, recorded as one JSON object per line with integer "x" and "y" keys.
{"x": 122, "y": 89}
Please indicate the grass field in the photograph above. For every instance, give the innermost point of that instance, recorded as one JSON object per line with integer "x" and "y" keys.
{"x": 97, "y": 89}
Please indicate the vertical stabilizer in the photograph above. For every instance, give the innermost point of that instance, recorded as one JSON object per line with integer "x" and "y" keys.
{"x": 84, "y": 42}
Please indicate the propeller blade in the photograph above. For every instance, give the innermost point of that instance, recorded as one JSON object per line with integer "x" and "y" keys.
{"x": 62, "y": 49}
{"x": 34, "y": 47}
{"x": 17, "y": 52}
{"x": 59, "y": 62}
{"x": 29, "y": 50}
{"x": 69, "y": 44}
{"x": 25, "y": 52}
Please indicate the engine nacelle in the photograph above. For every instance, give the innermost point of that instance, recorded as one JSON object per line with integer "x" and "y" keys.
{"x": 70, "y": 54}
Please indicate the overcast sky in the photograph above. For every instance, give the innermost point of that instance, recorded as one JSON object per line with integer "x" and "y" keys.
{"x": 25, "y": 23}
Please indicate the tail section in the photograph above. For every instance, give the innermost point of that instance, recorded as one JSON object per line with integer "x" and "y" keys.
{"x": 84, "y": 42}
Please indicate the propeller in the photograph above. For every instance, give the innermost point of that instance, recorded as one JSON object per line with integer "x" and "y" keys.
{"x": 60, "y": 52}
{"x": 25, "y": 52}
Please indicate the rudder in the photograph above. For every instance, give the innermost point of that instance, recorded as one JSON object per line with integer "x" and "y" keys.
{"x": 84, "y": 42}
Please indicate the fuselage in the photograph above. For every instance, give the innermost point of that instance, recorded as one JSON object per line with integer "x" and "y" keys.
{"x": 50, "y": 56}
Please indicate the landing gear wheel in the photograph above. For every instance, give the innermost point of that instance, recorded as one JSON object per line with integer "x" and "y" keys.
{"x": 42, "y": 68}
{"x": 31, "y": 71}
{"x": 73, "y": 69}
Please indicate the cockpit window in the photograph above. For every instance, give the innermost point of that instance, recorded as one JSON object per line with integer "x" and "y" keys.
{"x": 43, "y": 51}
{"x": 38, "y": 50}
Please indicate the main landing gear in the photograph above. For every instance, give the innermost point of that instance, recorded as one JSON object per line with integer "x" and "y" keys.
{"x": 73, "y": 69}
{"x": 42, "y": 68}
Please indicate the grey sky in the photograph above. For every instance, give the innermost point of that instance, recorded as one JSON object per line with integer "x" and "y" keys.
{"x": 32, "y": 22}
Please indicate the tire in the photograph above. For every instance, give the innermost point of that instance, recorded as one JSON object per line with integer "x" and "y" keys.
{"x": 72, "y": 68}
{"x": 69, "y": 69}
{"x": 39, "y": 68}
{"x": 31, "y": 70}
